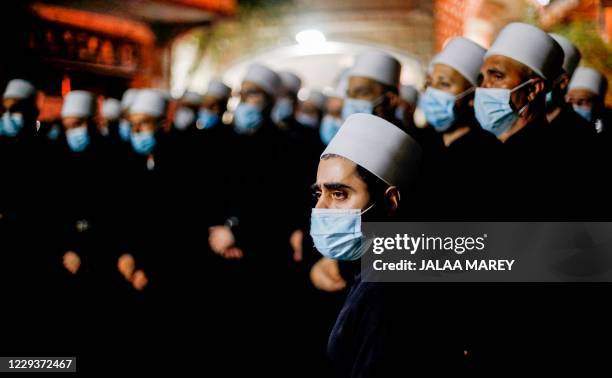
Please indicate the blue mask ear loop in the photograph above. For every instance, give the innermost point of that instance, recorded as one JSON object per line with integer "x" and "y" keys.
{"x": 521, "y": 110}
{"x": 366, "y": 210}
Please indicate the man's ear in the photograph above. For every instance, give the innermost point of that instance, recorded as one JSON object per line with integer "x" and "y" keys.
{"x": 538, "y": 86}
{"x": 392, "y": 199}
{"x": 564, "y": 82}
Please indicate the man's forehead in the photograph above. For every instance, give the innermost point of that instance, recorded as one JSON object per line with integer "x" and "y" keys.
{"x": 500, "y": 62}
{"x": 335, "y": 169}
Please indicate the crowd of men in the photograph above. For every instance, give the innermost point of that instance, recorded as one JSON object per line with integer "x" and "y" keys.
{"x": 143, "y": 219}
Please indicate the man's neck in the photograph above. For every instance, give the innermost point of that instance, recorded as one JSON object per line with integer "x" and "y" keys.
{"x": 451, "y": 136}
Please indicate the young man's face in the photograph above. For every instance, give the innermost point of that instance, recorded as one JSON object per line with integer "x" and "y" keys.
{"x": 339, "y": 185}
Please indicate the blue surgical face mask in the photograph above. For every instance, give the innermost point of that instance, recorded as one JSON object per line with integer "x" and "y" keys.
{"x": 493, "y": 110}
{"x": 353, "y": 106}
{"x": 206, "y": 119}
{"x": 11, "y": 124}
{"x": 337, "y": 233}
{"x": 54, "y": 132}
{"x": 399, "y": 113}
{"x": 125, "y": 128}
{"x": 584, "y": 112}
{"x": 283, "y": 108}
{"x": 77, "y": 138}
{"x": 439, "y": 108}
{"x": 307, "y": 120}
{"x": 183, "y": 118}
{"x": 329, "y": 127}
{"x": 143, "y": 142}
{"x": 247, "y": 118}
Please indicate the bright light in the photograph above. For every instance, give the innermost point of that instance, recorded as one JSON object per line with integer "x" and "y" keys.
{"x": 310, "y": 37}
{"x": 543, "y": 2}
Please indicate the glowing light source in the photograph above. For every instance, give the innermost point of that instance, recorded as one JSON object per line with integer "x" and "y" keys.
{"x": 543, "y": 2}
{"x": 310, "y": 37}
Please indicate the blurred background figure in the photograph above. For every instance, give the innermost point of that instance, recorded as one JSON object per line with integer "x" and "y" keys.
{"x": 586, "y": 92}
{"x": 409, "y": 98}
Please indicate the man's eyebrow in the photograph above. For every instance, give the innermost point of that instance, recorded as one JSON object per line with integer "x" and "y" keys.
{"x": 331, "y": 186}
{"x": 494, "y": 70}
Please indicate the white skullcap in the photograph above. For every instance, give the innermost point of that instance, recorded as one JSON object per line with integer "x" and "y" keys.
{"x": 19, "y": 89}
{"x": 128, "y": 98}
{"x": 409, "y": 94}
{"x": 590, "y": 79}
{"x": 192, "y": 98}
{"x": 149, "y": 101}
{"x": 291, "y": 81}
{"x": 530, "y": 46}
{"x": 378, "y": 146}
{"x": 78, "y": 104}
{"x": 464, "y": 56}
{"x": 218, "y": 89}
{"x": 317, "y": 98}
{"x": 111, "y": 109}
{"x": 267, "y": 79}
{"x": 571, "y": 54}
{"x": 378, "y": 66}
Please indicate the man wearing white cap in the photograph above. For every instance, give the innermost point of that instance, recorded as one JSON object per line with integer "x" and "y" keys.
{"x": 258, "y": 154}
{"x": 214, "y": 105}
{"x": 124, "y": 124}
{"x": 454, "y": 143}
{"x": 373, "y": 83}
{"x": 517, "y": 72}
{"x": 21, "y": 162}
{"x": 409, "y": 98}
{"x": 109, "y": 121}
{"x": 586, "y": 93}
{"x": 81, "y": 186}
{"x": 286, "y": 101}
{"x": 150, "y": 201}
{"x": 20, "y": 111}
{"x": 78, "y": 112}
{"x": 360, "y": 177}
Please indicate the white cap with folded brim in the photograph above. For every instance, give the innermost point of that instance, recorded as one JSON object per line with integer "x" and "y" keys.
{"x": 464, "y": 56}
{"x": 409, "y": 94}
{"x": 589, "y": 79}
{"x": 192, "y": 98}
{"x": 531, "y": 47}
{"x": 19, "y": 89}
{"x": 264, "y": 77}
{"x": 111, "y": 109}
{"x": 378, "y": 146}
{"x": 571, "y": 54}
{"x": 218, "y": 90}
{"x": 378, "y": 66}
{"x": 290, "y": 81}
{"x": 128, "y": 98}
{"x": 78, "y": 104}
{"x": 149, "y": 101}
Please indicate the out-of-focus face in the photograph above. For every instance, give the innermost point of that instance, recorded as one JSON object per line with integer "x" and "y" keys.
{"x": 333, "y": 107}
{"x": 143, "y": 122}
{"x": 74, "y": 122}
{"x": 363, "y": 88}
{"x": 211, "y": 103}
{"x": 309, "y": 108}
{"x": 339, "y": 185}
{"x": 582, "y": 98}
{"x": 502, "y": 72}
{"x": 251, "y": 93}
{"x": 447, "y": 79}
